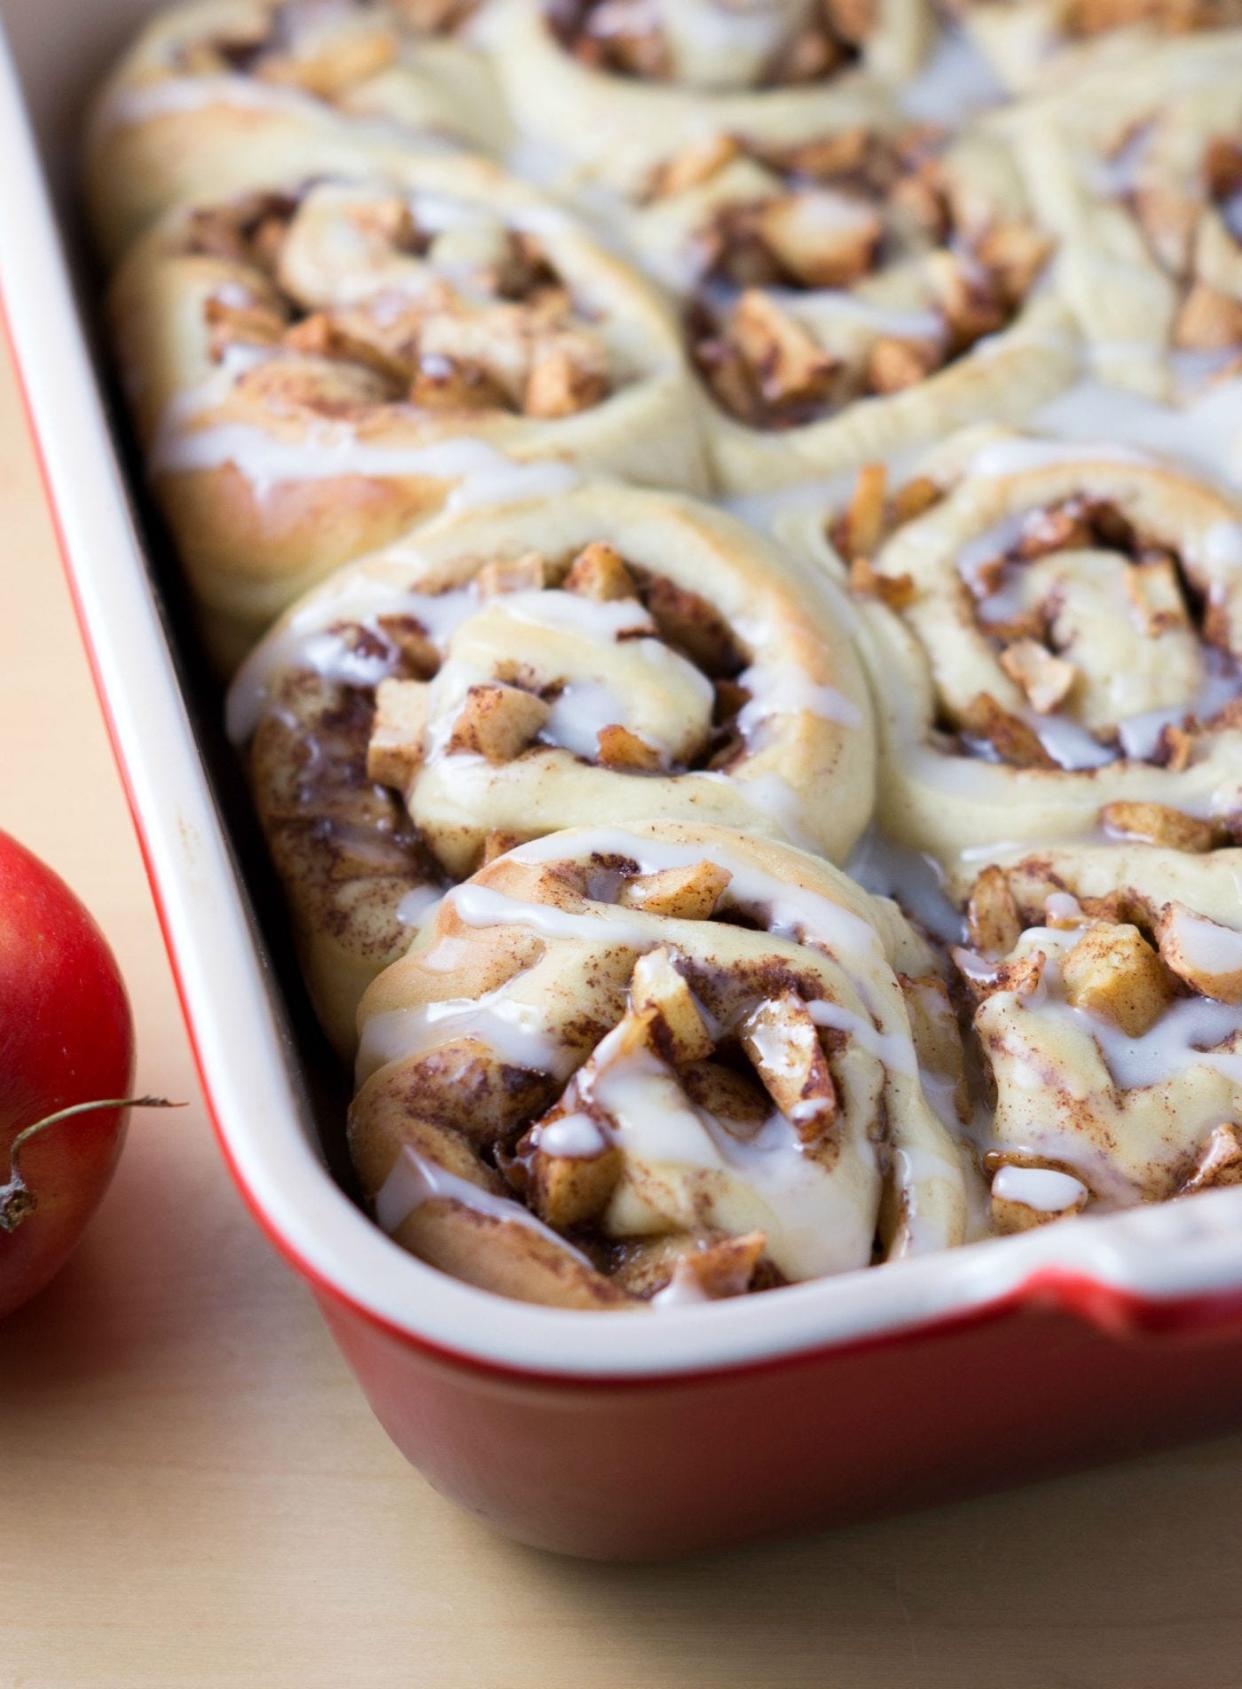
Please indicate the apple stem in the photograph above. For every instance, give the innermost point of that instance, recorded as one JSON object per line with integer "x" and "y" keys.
{"x": 17, "y": 1200}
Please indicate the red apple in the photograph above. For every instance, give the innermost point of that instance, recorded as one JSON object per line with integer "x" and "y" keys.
{"x": 66, "y": 1037}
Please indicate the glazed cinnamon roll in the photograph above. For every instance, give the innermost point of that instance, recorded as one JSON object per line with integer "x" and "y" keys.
{"x": 211, "y": 87}
{"x": 315, "y": 367}
{"x": 661, "y": 1064}
{"x": 1105, "y": 994}
{"x": 1030, "y": 43}
{"x": 503, "y": 673}
{"x": 1140, "y": 175}
{"x": 613, "y": 89}
{"x": 1053, "y": 633}
{"x": 854, "y": 292}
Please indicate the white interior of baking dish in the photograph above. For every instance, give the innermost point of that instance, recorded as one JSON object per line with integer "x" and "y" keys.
{"x": 246, "y": 1055}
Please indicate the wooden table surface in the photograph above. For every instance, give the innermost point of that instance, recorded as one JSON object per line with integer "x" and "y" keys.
{"x": 192, "y": 1491}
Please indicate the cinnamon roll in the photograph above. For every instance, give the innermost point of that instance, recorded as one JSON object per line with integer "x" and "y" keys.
{"x": 1105, "y": 993}
{"x": 213, "y": 86}
{"x": 613, "y": 89}
{"x": 661, "y": 1064}
{"x": 854, "y": 292}
{"x": 503, "y": 673}
{"x": 1053, "y": 633}
{"x": 1031, "y": 43}
{"x": 1141, "y": 178}
{"x": 316, "y": 366}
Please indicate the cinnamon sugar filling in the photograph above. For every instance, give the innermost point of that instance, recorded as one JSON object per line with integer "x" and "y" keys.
{"x": 633, "y": 38}
{"x": 852, "y": 207}
{"x": 1063, "y": 597}
{"x": 1130, "y": 1007}
{"x": 321, "y": 47}
{"x": 490, "y": 326}
{"x": 403, "y": 717}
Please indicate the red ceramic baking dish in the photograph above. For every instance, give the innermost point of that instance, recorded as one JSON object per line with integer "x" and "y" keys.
{"x": 595, "y": 1434}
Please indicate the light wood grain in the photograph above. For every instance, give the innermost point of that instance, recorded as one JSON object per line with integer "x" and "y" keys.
{"x": 193, "y": 1492}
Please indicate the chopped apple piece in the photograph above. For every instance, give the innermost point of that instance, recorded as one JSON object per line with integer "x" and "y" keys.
{"x": 1156, "y": 823}
{"x": 1025, "y": 1197}
{"x": 684, "y": 894}
{"x": 992, "y": 916}
{"x": 1046, "y": 680}
{"x": 782, "y": 1041}
{"x": 620, "y": 749}
{"x": 599, "y": 572}
{"x": 527, "y": 573}
{"x": 1220, "y": 1162}
{"x": 1113, "y": 972}
{"x": 661, "y": 996}
{"x": 497, "y": 722}
{"x": 572, "y": 1190}
{"x": 1204, "y": 953}
{"x": 395, "y": 750}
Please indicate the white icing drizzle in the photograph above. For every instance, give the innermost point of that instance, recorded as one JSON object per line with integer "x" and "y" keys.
{"x": 578, "y": 716}
{"x": 1207, "y": 945}
{"x": 1062, "y": 906}
{"x": 815, "y": 1223}
{"x": 1071, "y": 745}
{"x": 174, "y": 96}
{"x": 776, "y": 689}
{"x": 577, "y": 1137}
{"x": 483, "y": 906}
{"x": 1187, "y": 1034}
{"x": 1205, "y": 433}
{"x": 304, "y": 639}
{"x": 603, "y": 620}
{"x": 894, "y": 1050}
{"x": 955, "y": 82}
{"x": 606, "y": 678}
{"x": 326, "y": 450}
{"x": 415, "y": 1179}
{"x": 1068, "y": 743}
{"x": 916, "y": 881}
{"x": 792, "y": 910}
{"x": 1043, "y": 1188}
{"x": 683, "y": 1290}
{"x": 417, "y": 904}
{"x": 824, "y": 304}
{"x": 1021, "y": 456}
{"x": 1140, "y": 734}
{"x": 506, "y": 482}
{"x": 516, "y": 1031}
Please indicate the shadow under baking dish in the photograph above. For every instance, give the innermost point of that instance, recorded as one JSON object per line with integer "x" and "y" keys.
{"x": 593, "y": 1433}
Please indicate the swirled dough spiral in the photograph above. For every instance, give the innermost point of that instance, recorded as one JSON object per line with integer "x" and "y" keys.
{"x": 1033, "y": 44}
{"x": 1106, "y": 992}
{"x": 613, "y": 91}
{"x": 661, "y": 1061}
{"x": 1140, "y": 177}
{"x": 1054, "y": 641}
{"x": 210, "y": 87}
{"x": 850, "y": 292}
{"x": 502, "y": 673}
{"x": 315, "y": 367}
